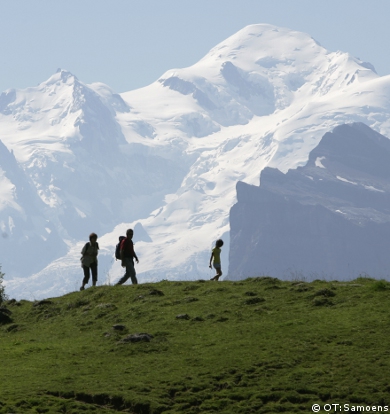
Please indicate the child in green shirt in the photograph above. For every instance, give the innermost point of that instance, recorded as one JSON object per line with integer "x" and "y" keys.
{"x": 216, "y": 255}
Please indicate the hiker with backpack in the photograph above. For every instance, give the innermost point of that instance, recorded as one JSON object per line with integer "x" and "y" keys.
{"x": 127, "y": 256}
{"x": 118, "y": 248}
{"x": 89, "y": 261}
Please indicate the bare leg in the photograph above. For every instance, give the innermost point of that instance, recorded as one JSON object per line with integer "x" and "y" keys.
{"x": 218, "y": 275}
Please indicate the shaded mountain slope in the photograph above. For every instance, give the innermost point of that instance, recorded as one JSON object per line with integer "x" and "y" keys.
{"x": 330, "y": 218}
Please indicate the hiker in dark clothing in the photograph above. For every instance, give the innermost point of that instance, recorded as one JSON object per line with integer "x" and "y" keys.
{"x": 128, "y": 255}
{"x": 89, "y": 261}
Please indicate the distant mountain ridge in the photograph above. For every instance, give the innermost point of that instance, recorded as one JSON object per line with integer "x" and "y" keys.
{"x": 168, "y": 156}
{"x": 329, "y": 218}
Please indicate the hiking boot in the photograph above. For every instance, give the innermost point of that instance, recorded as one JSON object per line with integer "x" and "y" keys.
{"x": 82, "y": 288}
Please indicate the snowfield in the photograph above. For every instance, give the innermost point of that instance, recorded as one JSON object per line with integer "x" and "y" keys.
{"x": 165, "y": 158}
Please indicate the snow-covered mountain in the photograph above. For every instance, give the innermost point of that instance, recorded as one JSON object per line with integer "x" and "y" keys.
{"x": 166, "y": 157}
{"x": 328, "y": 219}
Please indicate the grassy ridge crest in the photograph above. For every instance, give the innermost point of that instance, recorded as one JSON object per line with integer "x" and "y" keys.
{"x": 255, "y": 346}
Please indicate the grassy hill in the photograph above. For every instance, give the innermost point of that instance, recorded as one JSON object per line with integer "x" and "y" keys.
{"x": 254, "y": 346}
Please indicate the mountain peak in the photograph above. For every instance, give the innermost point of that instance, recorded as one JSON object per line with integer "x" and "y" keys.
{"x": 62, "y": 76}
{"x": 276, "y": 51}
{"x": 262, "y": 40}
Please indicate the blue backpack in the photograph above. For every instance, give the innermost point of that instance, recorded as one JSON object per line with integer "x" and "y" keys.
{"x": 118, "y": 248}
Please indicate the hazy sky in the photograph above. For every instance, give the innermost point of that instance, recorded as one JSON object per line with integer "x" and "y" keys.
{"x": 128, "y": 44}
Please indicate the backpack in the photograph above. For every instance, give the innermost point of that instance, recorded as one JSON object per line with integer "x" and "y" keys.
{"x": 86, "y": 248}
{"x": 118, "y": 248}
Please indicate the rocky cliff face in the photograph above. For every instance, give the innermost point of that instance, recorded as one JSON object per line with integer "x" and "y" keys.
{"x": 327, "y": 219}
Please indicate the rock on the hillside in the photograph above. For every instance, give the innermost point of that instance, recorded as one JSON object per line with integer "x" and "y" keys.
{"x": 119, "y": 327}
{"x": 183, "y": 316}
{"x": 42, "y": 303}
{"x": 137, "y": 337}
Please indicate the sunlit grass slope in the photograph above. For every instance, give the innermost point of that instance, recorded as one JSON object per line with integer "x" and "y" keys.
{"x": 255, "y": 346}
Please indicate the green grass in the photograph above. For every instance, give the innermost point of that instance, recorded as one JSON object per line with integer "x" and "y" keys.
{"x": 255, "y": 346}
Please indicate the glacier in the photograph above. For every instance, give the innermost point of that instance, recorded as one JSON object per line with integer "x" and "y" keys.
{"x": 165, "y": 159}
